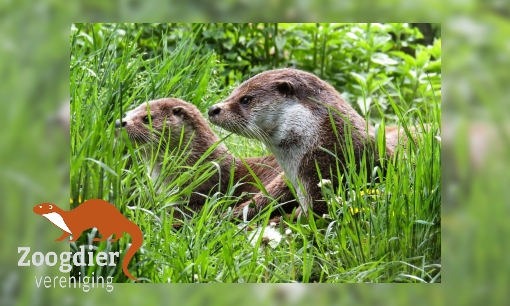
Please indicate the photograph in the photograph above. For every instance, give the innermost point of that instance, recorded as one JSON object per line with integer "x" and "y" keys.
{"x": 253, "y": 153}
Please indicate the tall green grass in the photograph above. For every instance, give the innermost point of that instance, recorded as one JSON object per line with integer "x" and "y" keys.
{"x": 387, "y": 231}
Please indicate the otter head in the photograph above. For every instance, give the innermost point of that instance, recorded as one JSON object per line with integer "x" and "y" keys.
{"x": 162, "y": 120}
{"x": 46, "y": 208}
{"x": 274, "y": 106}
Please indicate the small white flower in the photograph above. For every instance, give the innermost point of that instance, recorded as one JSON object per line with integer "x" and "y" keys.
{"x": 338, "y": 200}
{"x": 288, "y": 231}
{"x": 272, "y": 224}
{"x": 327, "y": 217}
{"x": 270, "y": 237}
{"x": 195, "y": 277}
{"x": 438, "y": 138}
{"x": 324, "y": 182}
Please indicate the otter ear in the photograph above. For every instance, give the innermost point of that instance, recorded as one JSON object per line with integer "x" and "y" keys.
{"x": 179, "y": 111}
{"x": 285, "y": 88}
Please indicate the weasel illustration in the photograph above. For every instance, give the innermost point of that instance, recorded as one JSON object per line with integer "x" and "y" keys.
{"x": 94, "y": 213}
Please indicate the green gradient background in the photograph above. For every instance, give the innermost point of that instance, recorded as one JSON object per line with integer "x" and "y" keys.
{"x": 34, "y": 155}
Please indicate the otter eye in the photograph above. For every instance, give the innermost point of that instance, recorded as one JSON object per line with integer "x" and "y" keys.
{"x": 145, "y": 119}
{"x": 244, "y": 101}
{"x": 51, "y": 206}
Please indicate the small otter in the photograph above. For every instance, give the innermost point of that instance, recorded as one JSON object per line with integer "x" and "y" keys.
{"x": 292, "y": 113}
{"x": 170, "y": 118}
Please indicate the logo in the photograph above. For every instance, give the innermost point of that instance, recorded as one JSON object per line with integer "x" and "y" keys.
{"x": 93, "y": 213}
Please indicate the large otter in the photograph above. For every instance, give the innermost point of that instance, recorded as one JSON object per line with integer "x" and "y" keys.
{"x": 293, "y": 112}
{"x": 179, "y": 128}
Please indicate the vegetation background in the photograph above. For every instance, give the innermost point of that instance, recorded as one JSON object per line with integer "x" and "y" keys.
{"x": 388, "y": 232}
{"x": 35, "y": 60}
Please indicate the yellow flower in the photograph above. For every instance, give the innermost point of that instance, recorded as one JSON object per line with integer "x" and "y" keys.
{"x": 354, "y": 210}
{"x": 71, "y": 200}
{"x": 370, "y": 192}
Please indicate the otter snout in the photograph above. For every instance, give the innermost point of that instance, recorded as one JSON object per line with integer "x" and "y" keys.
{"x": 120, "y": 123}
{"x": 214, "y": 110}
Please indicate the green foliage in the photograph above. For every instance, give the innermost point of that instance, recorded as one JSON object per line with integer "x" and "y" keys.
{"x": 359, "y": 60}
{"x": 389, "y": 236}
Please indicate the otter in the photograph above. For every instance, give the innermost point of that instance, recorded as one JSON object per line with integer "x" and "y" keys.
{"x": 172, "y": 119}
{"x": 293, "y": 112}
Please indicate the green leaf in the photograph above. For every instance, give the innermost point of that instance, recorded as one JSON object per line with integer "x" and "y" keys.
{"x": 364, "y": 104}
{"x": 383, "y": 59}
{"x": 102, "y": 165}
{"x": 423, "y": 222}
{"x": 280, "y": 42}
{"x": 359, "y": 77}
{"x": 406, "y": 57}
{"x": 422, "y": 58}
{"x": 434, "y": 66}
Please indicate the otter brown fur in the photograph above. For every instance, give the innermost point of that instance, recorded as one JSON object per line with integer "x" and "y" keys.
{"x": 291, "y": 112}
{"x": 169, "y": 118}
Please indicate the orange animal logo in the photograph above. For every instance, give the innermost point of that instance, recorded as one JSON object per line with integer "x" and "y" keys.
{"x": 94, "y": 213}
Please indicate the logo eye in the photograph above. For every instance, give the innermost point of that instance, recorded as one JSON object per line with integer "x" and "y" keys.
{"x": 244, "y": 101}
{"x": 51, "y": 206}
{"x": 40, "y": 206}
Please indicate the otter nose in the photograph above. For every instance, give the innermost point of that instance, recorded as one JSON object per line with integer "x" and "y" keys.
{"x": 119, "y": 123}
{"x": 214, "y": 110}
